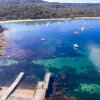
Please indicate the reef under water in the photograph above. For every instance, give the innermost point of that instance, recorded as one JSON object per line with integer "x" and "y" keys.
{"x": 39, "y": 47}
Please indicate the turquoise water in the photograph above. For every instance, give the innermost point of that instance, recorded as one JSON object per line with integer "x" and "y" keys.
{"x": 40, "y": 47}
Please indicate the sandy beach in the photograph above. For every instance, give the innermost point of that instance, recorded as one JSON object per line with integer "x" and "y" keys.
{"x": 18, "y": 94}
{"x": 59, "y": 19}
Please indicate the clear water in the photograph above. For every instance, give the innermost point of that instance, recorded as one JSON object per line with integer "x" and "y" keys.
{"x": 75, "y": 72}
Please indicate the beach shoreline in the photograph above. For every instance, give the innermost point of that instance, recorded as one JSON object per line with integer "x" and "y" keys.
{"x": 52, "y": 19}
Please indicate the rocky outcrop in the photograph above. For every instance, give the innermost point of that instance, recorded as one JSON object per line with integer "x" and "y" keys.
{"x": 59, "y": 96}
{"x": 1, "y": 29}
{"x": 3, "y": 40}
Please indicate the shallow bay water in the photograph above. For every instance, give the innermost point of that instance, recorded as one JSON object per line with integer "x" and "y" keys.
{"x": 47, "y": 46}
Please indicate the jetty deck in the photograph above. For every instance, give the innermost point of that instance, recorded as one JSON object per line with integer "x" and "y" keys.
{"x": 13, "y": 86}
{"x": 17, "y": 93}
{"x": 41, "y": 88}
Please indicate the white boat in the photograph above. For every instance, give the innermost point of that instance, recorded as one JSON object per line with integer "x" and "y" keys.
{"x": 43, "y": 39}
{"x": 59, "y": 22}
{"x": 75, "y": 46}
{"x": 48, "y": 24}
{"x": 82, "y": 28}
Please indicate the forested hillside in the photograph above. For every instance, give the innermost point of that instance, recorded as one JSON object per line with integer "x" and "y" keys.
{"x": 35, "y": 9}
{"x": 19, "y": 1}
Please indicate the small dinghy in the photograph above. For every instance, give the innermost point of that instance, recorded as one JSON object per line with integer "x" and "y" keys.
{"x": 48, "y": 24}
{"x": 59, "y": 22}
{"x": 76, "y": 33}
{"x": 75, "y": 46}
{"x": 43, "y": 39}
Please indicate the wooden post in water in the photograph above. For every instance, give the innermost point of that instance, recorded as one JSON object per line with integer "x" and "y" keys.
{"x": 41, "y": 88}
{"x": 13, "y": 86}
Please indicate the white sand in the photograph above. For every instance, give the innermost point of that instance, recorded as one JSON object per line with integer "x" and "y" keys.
{"x": 59, "y": 19}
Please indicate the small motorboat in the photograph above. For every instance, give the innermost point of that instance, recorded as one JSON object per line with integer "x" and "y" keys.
{"x": 75, "y": 46}
{"x": 76, "y": 33}
{"x": 43, "y": 39}
{"x": 59, "y": 22}
{"x": 48, "y": 24}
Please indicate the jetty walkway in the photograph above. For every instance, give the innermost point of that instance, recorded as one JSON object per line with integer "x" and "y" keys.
{"x": 13, "y": 86}
{"x": 41, "y": 88}
{"x": 38, "y": 94}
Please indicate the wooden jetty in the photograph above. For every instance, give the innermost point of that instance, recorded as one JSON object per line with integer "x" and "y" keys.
{"x": 13, "y": 86}
{"x": 41, "y": 88}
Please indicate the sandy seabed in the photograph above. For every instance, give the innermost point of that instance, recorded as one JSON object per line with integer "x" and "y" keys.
{"x": 18, "y": 94}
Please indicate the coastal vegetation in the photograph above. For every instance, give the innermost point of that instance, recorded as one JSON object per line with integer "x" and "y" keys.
{"x": 44, "y": 10}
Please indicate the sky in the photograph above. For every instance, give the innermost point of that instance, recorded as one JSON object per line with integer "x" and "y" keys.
{"x": 75, "y": 1}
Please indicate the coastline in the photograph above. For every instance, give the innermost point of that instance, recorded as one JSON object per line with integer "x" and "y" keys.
{"x": 52, "y": 19}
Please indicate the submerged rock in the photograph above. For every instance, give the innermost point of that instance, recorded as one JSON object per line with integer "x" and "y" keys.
{"x": 0, "y": 88}
{"x": 63, "y": 76}
{"x": 2, "y": 52}
{"x": 1, "y": 29}
{"x": 8, "y": 62}
{"x": 59, "y": 96}
{"x": 61, "y": 65}
{"x": 89, "y": 88}
{"x": 3, "y": 42}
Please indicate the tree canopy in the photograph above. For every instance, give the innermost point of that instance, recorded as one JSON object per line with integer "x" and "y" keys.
{"x": 39, "y": 9}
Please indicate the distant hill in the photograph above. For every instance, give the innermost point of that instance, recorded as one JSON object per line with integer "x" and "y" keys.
{"x": 39, "y": 9}
{"x": 53, "y": 4}
{"x": 26, "y": 1}
{"x": 75, "y": 5}
{"x": 19, "y": 1}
